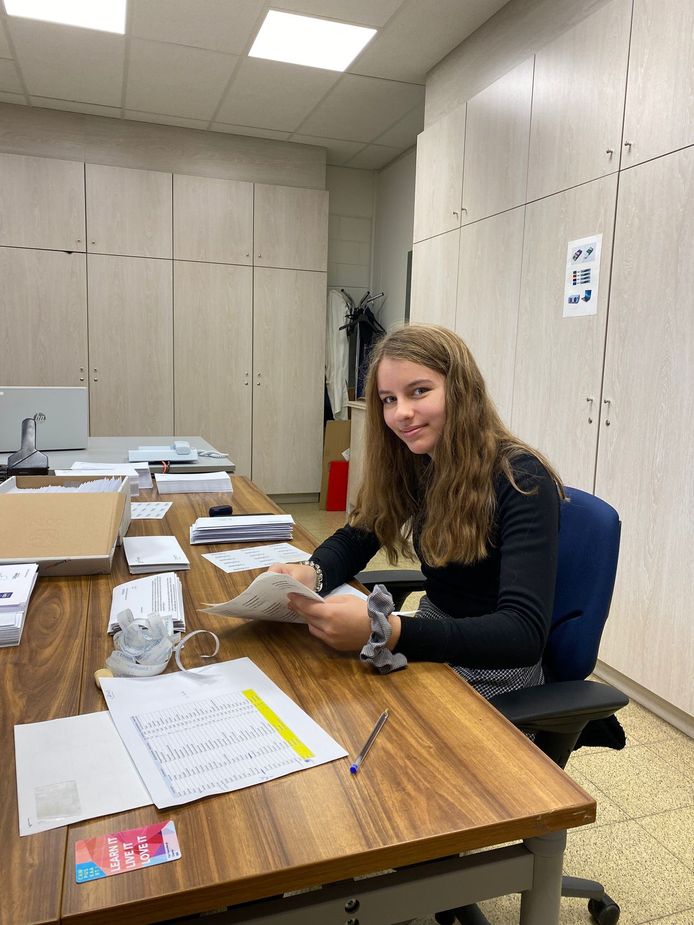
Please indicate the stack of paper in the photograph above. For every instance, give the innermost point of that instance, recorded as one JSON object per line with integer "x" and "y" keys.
{"x": 154, "y": 554}
{"x": 174, "y": 482}
{"x": 16, "y": 584}
{"x": 242, "y": 528}
{"x": 160, "y": 594}
{"x": 122, "y": 469}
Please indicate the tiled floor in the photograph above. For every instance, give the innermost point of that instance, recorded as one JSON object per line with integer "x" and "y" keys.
{"x": 642, "y": 843}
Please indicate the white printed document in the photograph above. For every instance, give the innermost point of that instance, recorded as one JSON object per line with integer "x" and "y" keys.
{"x": 213, "y": 730}
{"x": 161, "y": 594}
{"x": 154, "y": 554}
{"x": 242, "y": 528}
{"x": 173, "y": 483}
{"x": 149, "y": 510}
{"x": 16, "y": 584}
{"x": 71, "y": 769}
{"x": 240, "y": 560}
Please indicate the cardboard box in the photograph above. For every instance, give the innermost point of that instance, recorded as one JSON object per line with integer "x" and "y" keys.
{"x": 66, "y": 534}
{"x": 337, "y": 435}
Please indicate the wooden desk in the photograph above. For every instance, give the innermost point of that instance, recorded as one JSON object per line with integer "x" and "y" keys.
{"x": 447, "y": 774}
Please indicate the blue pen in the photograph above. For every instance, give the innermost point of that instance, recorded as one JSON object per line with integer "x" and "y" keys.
{"x": 380, "y": 723}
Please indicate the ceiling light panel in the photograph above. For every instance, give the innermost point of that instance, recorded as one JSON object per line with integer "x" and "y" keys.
{"x": 104, "y": 15}
{"x": 308, "y": 41}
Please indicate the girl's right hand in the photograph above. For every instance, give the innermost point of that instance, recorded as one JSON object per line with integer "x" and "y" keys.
{"x": 303, "y": 573}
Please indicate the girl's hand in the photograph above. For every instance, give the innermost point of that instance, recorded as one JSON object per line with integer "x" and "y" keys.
{"x": 341, "y": 622}
{"x": 303, "y": 573}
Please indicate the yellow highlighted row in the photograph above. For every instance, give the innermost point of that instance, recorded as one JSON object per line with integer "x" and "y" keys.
{"x": 289, "y": 737}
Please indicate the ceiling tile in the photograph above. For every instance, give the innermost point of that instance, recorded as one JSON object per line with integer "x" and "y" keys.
{"x": 176, "y": 80}
{"x": 374, "y": 157}
{"x": 4, "y": 44}
{"x": 428, "y": 36}
{"x": 361, "y": 12}
{"x": 273, "y": 94}
{"x": 69, "y": 106}
{"x": 69, "y": 63}
{"x": 217, "y": 25}
{"x": 250, "y": 131}
{"x": 338, "y": 151}
{"x": 361, "y": 108}
{"x": 404, "y": 133}
{"x": 165, "y": 120}
{"x": 20, "y": 99}
{"x": 9, "y": 78}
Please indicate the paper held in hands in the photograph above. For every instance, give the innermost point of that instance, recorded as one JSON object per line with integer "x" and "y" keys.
{"x": 266, "y": 598}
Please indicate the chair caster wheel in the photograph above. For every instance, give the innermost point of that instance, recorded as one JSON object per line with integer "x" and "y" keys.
{"x": 604, "y": 911}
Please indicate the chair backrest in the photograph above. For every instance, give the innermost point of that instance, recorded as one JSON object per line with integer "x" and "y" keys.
{"x": 588, "y": 551}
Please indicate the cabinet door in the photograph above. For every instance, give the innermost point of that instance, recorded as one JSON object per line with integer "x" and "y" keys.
{"x": 559, "y": 360}
{"x": 644, "y": 460}
{"x": 288, "y": 379}
{"x": 213, "y": 352}
{"x": 43, "y": 317}
{"x": 488, "y": 294}
{"x": 130, "y": 346}
{"x": 659, "y": 113}
{"x": 213, "y": 220}
{"x": 41, "y": 203}
{"x": 128, "y": 211}
{"x": 290, "y": 227}
{"x": 439, "y": 177}
{"x": 497, "y": 136}
{"x": 434, "y": 279}
{"x": 578, "y": 102}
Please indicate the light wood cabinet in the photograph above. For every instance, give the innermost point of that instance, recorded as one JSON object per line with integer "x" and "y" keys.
{"x": 434, "y": 279}
{"x": 128, "y": 211}
{"x": 43, "y": 317}
{"x": 497, "y": 136}
{"x": 130, "y": 346}
{"x": 213, "y": 356}
{"x": 645, "y": 453}
{"x": 288, "y": 375}
{"x": 213, "y": 220}
{"x": 556, "y": 391}
{"x": 489, "y": 272}
{"x": 578, "y": 102}
{"x": 41, "y": 203}
{"x": 659, "y": 115}
{"x": 290, "y": 227}
{"x": 439, "y": 178}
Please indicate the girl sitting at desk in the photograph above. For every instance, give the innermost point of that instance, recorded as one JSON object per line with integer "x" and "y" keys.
{"x": 481, "y": 508}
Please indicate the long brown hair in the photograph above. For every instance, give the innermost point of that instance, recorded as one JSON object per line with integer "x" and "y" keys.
{"x": 456, "y": 488}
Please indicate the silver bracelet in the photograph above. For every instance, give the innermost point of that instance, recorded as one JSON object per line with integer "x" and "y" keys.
{"x": 319, "y": 574}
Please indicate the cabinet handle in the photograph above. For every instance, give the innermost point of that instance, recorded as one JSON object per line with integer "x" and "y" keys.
{"x": 590, "y": 409}
{"x": 260, "y": 256}
{"x": 608, "y": 402}
{"x": 628, "y": 144}
{"x": 609, "y": 151}
{"x": 258, "y": 379}
{"x": 81, "y": 373}
{"x": 96, "y": 374}
{"x": 455, "y": 213}
{"x": 246, "y": 378}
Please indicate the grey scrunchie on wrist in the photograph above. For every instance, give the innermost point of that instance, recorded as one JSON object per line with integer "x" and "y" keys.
{"x": 376, "y": 651}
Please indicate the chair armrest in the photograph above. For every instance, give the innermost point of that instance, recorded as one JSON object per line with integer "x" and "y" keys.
{"x": 400, "y": 582}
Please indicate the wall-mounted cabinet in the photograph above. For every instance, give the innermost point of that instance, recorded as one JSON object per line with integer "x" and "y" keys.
{"x": 213, "y": 220}
{"x": 130, "y": 345}
{"x": 439, "y": 179}
{"x": 41, "y": 203}
{"x": 659, "y": 115}
{"x": 128, "y": 211}
{"x": 43, "y": 318}
{"x": 497, "y": 136}
{"x": 489, "y": 273}
{"x": 213, "y": 356}
{"x": 290, "y": 228}
{"x": 434, "y": 279}
{"x": 578, "y": 102}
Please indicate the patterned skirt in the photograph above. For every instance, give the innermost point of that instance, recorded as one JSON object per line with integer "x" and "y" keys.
{"x": 487, "y": 681}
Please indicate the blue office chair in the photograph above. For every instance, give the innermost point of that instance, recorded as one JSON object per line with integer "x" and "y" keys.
{"x": 558, "y": 712}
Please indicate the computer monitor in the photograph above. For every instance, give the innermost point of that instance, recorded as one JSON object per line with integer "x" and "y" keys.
{"x": 62, "y": 415}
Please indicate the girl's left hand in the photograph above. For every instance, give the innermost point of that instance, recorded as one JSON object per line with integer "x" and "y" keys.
{"x": 342, "y": 622}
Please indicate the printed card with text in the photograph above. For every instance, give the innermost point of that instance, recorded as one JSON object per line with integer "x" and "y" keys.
{"x": 107, "y": 855}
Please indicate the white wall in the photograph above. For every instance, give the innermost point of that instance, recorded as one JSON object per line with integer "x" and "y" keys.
{"x": 350, "y": 228}
{"x": 393, "y": 235}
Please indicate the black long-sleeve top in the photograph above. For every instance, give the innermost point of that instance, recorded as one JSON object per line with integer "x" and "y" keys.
{"x": 499, "y": 608}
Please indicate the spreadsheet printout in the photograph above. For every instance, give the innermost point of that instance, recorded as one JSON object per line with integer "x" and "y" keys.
{"x": 213, "y": 730}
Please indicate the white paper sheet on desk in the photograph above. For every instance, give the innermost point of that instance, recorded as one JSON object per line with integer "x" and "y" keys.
{"x": 71, "y": 769}
{"x": 266, "y": 598}
{"x": 240, "y": 560}
{"x": 213, "y": 730}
